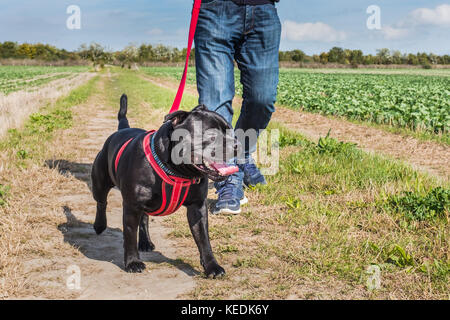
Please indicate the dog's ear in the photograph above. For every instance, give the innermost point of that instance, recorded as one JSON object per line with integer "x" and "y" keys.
{"x": 176, "y": 117}
{"x": 201, "y": 107}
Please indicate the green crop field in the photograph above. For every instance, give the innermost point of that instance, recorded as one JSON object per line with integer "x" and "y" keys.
{"x": 15, "y": 78}
{"x": 408, "y": 100}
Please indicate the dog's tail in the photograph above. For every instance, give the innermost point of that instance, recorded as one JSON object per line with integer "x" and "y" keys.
{"x": 122, "y": 116}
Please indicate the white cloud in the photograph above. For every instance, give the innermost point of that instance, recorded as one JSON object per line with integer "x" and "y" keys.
{"x": 439, "y": 16}
{"x": 155, "y": 32}
{"x": 318, "y": 31}
{"x": 391, "y": 33}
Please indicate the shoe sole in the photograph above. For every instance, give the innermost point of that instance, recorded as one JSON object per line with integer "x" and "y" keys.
{"x": 229, "y": 211}
{"x": 243, "y": 201}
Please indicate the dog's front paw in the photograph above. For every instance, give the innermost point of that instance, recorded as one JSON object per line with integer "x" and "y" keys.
{"x": 146, "y": 246}
{"x": 214, "y": 270}
{"x": 99, "y": 228}
{"x": 135, "y": 266}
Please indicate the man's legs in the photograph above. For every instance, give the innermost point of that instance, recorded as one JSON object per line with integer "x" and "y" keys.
{"x": 219, "y": 29}
{"x": 257, "y": 58}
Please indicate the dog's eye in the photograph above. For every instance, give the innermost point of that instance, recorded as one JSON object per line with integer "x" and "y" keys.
{"x": 213, "y": 139}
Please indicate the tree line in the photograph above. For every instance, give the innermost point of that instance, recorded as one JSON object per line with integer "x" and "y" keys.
{"x": 356, "y": 57}
{"x": 132, "y": 54}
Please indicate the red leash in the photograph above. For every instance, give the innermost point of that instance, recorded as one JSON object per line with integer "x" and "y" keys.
{"x": 193, "y": 27}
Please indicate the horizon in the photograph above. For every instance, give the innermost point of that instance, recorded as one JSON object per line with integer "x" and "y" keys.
{"x": 310, "y": 26}
{"x": 404, "y": 53}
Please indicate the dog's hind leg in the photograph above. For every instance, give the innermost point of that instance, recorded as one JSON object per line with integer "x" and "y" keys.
{"x": 101, "y": 185}
{"x": 145, "y": 243}
{"x": 122, "y": 116}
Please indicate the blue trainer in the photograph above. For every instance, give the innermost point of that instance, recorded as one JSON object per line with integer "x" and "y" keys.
{"x": 252, "y": 175}
{"x": 231, "y": 197}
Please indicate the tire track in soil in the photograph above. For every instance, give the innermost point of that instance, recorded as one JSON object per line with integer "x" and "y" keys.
{"x": 101, "y": 258}
{"x": 427, "y": 156}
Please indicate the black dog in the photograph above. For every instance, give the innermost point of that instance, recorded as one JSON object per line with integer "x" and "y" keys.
{"x": 141, "y": 186}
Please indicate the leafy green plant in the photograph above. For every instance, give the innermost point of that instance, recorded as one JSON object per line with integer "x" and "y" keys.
{"x": 332, "y": 146}
{"x": 421, "y": 207}
{"x": 22, "y": 154}
{"x": 399, "y": 257}
{"x": 292, "y": 203}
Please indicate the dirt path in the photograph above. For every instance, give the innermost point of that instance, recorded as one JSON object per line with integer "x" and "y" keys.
{"x": 100, "y": 258}
{"x": 423, "y": 155}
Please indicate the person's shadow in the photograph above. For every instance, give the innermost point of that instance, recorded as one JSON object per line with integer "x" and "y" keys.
{"x": 109, "y": 245}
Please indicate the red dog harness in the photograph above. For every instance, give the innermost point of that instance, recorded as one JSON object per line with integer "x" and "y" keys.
{"x": 176, "y": 187}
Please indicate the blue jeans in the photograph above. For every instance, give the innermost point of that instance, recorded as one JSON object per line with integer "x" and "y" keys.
{"x": 250, "y": 35}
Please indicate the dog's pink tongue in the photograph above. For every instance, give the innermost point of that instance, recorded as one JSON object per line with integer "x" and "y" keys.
{"x": 224, "y": 169}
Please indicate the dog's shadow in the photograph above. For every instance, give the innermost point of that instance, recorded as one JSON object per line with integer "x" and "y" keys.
{"x": 109, "y": 245}
{"x": 80, "y": 171}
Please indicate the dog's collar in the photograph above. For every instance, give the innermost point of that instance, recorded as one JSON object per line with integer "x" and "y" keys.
{"x": 158, "y": 161}
{"x": 163, "y": 167}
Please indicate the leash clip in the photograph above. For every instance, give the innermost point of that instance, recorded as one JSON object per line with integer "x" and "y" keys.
{"x": 196, "y": 180}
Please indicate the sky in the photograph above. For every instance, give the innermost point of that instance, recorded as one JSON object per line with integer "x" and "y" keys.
{"x": 310, "y": 25}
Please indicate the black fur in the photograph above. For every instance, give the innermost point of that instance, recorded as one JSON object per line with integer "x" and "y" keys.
{"x": 140, "y": 186}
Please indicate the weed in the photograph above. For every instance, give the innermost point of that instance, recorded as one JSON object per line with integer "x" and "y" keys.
{"x": 399, "y": 257}
{"x": 332, "y": 146}
{"x": 293, "y": 203}
{"x": 22, "y": 154}
{"x": 421, "y": 207}
{"x": 227, "y": 248}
